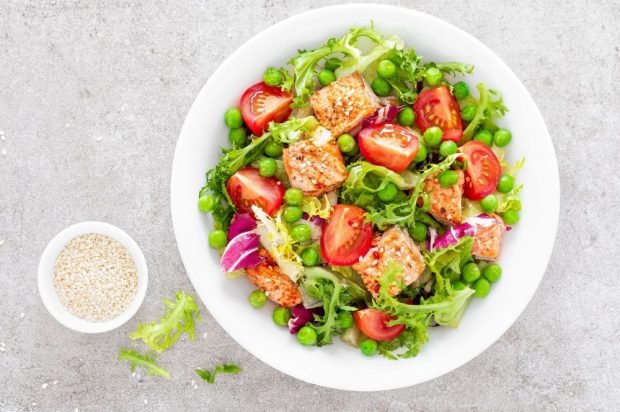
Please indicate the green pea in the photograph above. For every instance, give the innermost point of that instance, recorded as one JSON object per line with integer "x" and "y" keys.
{"x": 422, "y": 153}
{"x": 292, "y": 214}
{"x": 481, "y": 287}
{"x": 461, "y": 90}
{"x": 273, "y": 149}
{"x": 233, "y": 118}
{"x": 237, "y": 137}
{"x": 345, "y": 319}
{"x": 510, "y": 217}
{"x": 332, "y": 64}
{"x": 418, "y": 231}
{"x": 310, "y": 257}
{"x": 217, "y": 239}
{"x": 502, "y": 137}
{"x": 381, "y": 87}
{"x": 432, "y": 136}
{"x": 458, "y": 285}
{"x": 388, "y": 193}
{"x": 492, "y": 272}
{"x": 257, "y": 299}
{"x": 301, "y": 232}
{"x": 281, "y": 316}
{"x": 386, "y": 69}
{"x": 272, "y": 77}
{"x": 206, "y": 203}
{"x": 489, "y": 204}
{"x": 347, "y": 143}
{"x": 447, "y": 148}
{"x": 306, "y": 336}
{"x": 484, "y": 136}
{"x": 433, "y": 76}
{"x": 448, "y": 178}
{"x": 293, "y": 196}
{"x": 505, "y": 184}
{"x": 406, "y": 117}
{"x": 471, "y": 272}
{"x": 267, "y": 167}
{"x": 326, "y": 77}
{"x": 468, "y": 112}
{"x": 368, "y": 347}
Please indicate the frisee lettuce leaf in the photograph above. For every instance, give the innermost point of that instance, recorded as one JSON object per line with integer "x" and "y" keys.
{"x": 403, "y": 213}
{"x": 138, "y": 360}
{"x": 449, "y": 261}
{"x": 209, "y": 376}
{"x": 489, "y": 108}
{"x": 317, "y": 206}
{"x": 180, "y": 318}
{"x": 335, "y": 296}
{"x": 277, "y": 240}
{"x": 234, "y": 159}
{"x": 445, "y": 307}
{"x": 351, "y": 57}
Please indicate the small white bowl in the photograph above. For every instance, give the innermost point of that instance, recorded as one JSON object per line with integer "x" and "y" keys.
{"x": 46, "y": 277}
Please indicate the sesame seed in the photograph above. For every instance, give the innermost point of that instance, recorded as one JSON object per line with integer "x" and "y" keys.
{"x": 146, "y": 401}
{"x": 54, "y": 383}
{"x": 3, "y": 152}
{"x": 44, "y": 386}
{"x": 2, "y": 349}
{"x": 95, "y": 277}
{"x": 2, "y": 344}
{"x": 204, "y": 335}
{"x": 21, "y": 315}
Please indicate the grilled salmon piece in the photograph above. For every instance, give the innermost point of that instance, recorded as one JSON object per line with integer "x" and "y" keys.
{"x": 488, "y": 240}
{"x": 445, "y": 202}
{"x": 278, "y": 287}
{"x": 315, "y": 164}
{"x": 342, "y": 105}
{"x": 393, "y": 245}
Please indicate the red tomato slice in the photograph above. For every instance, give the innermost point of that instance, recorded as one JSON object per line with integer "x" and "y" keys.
{"x": 346, "y": 236}
{"x": 261, "y": 104}
{"x": 389, "y": 145}
{"x": 482, "y": 170}
{"x": 438, "y": 107}
{"x": 373, "y": 323}
{"x": 247, "y": 187}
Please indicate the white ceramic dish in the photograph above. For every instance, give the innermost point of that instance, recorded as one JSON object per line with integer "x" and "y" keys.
{"x": 526, "y": 250}
{"x": 46, "y": 277}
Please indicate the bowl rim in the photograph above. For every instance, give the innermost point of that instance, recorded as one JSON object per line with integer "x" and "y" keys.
{"x": 47, "y": 291}
{"x": 554, "y": 194}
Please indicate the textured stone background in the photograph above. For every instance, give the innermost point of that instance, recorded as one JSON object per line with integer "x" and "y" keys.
{"x": 92, "y": 98}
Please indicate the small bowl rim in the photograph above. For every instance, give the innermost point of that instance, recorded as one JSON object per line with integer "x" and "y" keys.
{"x": 45, "y": 282}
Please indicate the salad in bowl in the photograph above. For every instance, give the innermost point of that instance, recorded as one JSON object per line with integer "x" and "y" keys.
{"x": 365, "y": 193}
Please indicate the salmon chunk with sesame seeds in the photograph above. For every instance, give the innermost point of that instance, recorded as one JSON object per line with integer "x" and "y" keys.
{"x": 394, "y": 245}
{"x": 315, "y": 164}
{"x": 445, "y": 201}
{"x": 343, "y": 105}
{"x": 278, "y": 287}
{"x": 488, "y": 240}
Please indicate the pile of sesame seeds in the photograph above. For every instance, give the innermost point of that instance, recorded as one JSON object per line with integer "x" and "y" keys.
{"x": 95, "y": 277}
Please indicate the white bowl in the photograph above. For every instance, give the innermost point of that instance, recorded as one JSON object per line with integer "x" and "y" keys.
{"x": 46, "y": 277}
{"x": 526, "y": 250}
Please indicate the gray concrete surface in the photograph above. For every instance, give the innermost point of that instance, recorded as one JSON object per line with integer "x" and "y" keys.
{"x": 92, "y": 98}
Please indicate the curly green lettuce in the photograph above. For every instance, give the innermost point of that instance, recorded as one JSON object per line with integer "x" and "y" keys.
{"x": 351, "y": 58}
{"x": 403, "y": 212}
{"x": 366, "y": 179}
{"x": 489, "y": 108}
{"x": 234, "y": 159}
{"x": 445, "y": 307}
{"x": 449, "y": 261}
{"x": 138, "y": 360}
{"x": 335, "y": 296}
{"x": 180, "y": 317}
{"x": 209, "y": 376}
